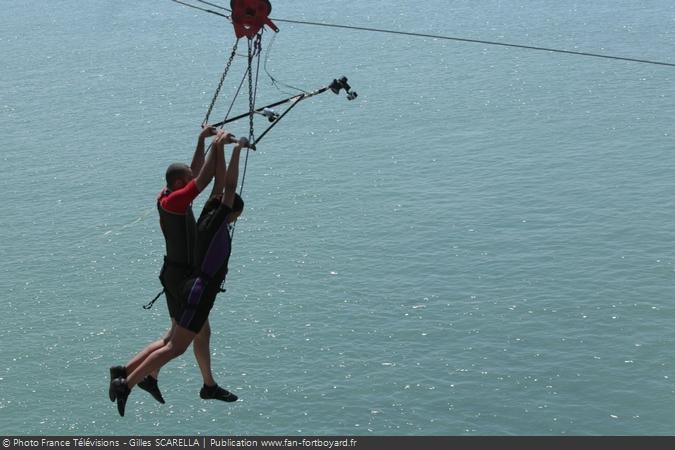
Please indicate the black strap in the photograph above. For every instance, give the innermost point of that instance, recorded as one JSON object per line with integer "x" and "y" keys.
{"x": 152, "y": 302}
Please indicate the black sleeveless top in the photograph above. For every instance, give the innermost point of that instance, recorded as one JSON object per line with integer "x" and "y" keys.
{"x": 179, "y": 232}
{"x": 213, "y": 244}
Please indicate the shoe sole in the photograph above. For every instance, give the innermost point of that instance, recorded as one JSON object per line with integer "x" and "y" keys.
{"x": 121, "y": 400}
{"x": 156, "y": 394}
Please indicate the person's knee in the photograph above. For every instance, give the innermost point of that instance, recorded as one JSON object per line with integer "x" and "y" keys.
{"x": 169, "y": 333}
{"x": 176, "y": 349}
{"x": 167, "y": 337}
{"x": 180, "y": 341}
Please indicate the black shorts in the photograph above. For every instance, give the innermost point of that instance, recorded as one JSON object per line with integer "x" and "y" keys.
{"x": 198, "y": 296}
{"x": 173, "y": 279}
{"x": 212, "y": 249}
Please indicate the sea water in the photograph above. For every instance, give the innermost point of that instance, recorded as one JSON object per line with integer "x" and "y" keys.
{"x": 480, "y": 244}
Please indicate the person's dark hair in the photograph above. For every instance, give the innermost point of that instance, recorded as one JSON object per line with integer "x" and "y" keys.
{"x": 175, "y": 172}
{"x": 237, "y": 204}
{"x": 212, "y": 203}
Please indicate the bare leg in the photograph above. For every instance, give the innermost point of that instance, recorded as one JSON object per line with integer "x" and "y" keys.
{"x": 210, "y": 390}
{"x": 201, "y": 347}
{"x": 179, "y": 342}
{"x": 140, "y": 356}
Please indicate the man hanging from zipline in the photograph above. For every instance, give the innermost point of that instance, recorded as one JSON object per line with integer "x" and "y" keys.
{"x": 211, "y": 254}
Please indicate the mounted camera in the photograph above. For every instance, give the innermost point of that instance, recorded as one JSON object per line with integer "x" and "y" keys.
{"x": 337, "y": 85}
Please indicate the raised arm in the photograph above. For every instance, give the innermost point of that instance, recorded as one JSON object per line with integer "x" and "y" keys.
{"x": 208, "y": 169}
{"x": 198, "y": 157}
{"x": 232, "y": 176}
{"x": 220, "y": 169}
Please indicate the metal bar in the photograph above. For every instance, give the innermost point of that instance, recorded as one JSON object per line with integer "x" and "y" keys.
{"x": 297, "y": 98}
{"x": 253, "y": 146}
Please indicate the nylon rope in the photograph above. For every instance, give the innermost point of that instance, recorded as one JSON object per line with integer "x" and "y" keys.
{"x": 236, "y": 95}
{"x": 275, "y": 82}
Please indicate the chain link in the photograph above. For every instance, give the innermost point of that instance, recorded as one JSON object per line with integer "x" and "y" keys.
{"x": 220, "y": 83}
{"x": 251, "y": 99}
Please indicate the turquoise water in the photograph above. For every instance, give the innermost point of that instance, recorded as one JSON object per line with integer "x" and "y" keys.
{"x": 481, "y": 244}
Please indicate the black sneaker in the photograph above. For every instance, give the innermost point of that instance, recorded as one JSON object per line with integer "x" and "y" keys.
{"x": 115, "y": 372}
{"x": 149, "y": 384}
{"x": 121, "y": 390}
{"x": 215, "y": 392}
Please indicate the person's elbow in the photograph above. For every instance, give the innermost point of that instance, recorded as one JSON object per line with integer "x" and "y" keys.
{"x": 202, "y": 181}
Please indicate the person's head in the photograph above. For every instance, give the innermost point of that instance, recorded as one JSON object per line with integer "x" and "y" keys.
{"x": 178, "y": 175}
{"x": 237, "y": 208}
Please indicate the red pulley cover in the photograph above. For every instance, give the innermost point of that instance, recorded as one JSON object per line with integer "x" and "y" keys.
{"x": 249, "y": 16}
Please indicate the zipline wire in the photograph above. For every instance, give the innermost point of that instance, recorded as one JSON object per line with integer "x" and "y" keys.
{"x": 202, "y": 9}
{"x": 214, "y": 5}
{"x": 442, "y": 37}
{"x": 479, "y": 41}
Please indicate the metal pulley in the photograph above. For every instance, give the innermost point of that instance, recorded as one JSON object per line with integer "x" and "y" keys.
{"x": 250, "y": 16}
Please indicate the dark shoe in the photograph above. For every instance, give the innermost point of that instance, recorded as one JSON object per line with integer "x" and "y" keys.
{"x": 121, "y": 390}
{"x": 115, "y": 372}
{"x": 217, "y": 393}
{"x": 149, "y": 384}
